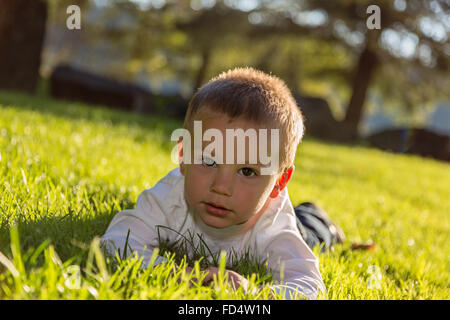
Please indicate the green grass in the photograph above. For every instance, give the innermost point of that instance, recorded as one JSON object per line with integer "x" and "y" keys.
{"x": 67, "y": 168}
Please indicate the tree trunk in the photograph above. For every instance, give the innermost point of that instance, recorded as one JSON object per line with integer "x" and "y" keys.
{"x": 365, "y": 70}
{"x": 206, "y": 53}
{"x": 22, "y": 30}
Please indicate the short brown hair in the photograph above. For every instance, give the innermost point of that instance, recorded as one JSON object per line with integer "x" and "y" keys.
{"x": 255, "y": 96}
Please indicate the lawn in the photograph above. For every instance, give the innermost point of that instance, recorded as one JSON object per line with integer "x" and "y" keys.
{"x": 67, "y": 168}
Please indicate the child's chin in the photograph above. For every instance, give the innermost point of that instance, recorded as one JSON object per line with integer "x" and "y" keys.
{"x": 214, "y": 222}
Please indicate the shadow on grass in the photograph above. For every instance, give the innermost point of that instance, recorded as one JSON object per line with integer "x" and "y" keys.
{"x": 94, "y": 113}
{"x": 70, "y": 234}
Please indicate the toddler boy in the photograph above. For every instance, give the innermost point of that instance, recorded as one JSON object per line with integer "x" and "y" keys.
{"x": 233, "y": 194}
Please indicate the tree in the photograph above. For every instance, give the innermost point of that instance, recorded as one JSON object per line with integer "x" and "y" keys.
{"x": 208, "y": 28}
{"x": 412, "y": 79}
{"x": 22, "y": 29}
{"x": 298, "y": 41}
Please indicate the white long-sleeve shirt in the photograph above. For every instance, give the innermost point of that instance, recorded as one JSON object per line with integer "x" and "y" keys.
{"x": 274, "y": 237}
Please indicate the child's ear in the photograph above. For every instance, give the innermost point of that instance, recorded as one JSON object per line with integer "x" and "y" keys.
{"x": 282, "y": 182}
{"x": 180, "y": 156}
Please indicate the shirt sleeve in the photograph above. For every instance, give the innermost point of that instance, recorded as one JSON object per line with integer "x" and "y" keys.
{"x": 137, "y": 228}
{"x": 295, "y": 268}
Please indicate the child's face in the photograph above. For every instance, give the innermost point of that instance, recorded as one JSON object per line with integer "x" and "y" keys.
{"x": 238, "y": 188}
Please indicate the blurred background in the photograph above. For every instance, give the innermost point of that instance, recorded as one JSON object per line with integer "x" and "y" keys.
{"x": 386, "y": 87}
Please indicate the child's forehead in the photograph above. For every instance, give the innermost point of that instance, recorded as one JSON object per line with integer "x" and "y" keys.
{"x": 210, "y": 117}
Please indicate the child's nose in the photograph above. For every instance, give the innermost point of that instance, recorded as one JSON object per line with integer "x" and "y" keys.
{"x": 223, "y": 182}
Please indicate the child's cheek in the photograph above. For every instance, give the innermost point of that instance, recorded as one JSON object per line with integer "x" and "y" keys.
{"x": 194, "y": 187}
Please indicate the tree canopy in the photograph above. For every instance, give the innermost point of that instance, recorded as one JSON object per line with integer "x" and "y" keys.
{"x": 318, "y": 47}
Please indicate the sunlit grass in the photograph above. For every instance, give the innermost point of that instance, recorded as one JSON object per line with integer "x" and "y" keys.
{"x": 66, "y": 169}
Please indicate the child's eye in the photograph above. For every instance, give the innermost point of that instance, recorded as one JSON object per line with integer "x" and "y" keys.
{"x": 208, "y": 161}
{"x": 248, "y": 172}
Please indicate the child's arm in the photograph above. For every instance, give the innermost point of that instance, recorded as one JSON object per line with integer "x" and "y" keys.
{"x": 295, "y": 267}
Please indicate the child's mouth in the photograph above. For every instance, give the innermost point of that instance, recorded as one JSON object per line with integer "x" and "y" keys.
{"x": 216, "y": 209}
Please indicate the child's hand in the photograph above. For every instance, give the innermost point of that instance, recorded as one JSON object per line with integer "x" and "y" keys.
{"x": 188, "y": 271}
{"x": 194, "y": 280}
{"x": 234, "y": 278}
